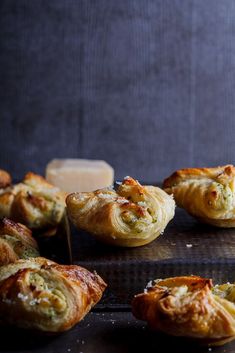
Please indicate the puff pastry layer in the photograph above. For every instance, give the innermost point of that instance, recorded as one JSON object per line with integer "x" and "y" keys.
{"x": 16, "y": 242}
{"x": 40, "y": 294}
{"x": 131, "y": 216}
{"x": 33, "y": 202}
{"x": 189, "y": 307}
{"x": 206, "y": 193}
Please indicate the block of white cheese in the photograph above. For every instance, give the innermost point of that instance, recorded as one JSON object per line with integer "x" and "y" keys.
{"x": 73, "y": 175}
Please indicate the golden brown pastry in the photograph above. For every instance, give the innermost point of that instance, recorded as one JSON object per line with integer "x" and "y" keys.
{"x": 40, "y": 294}
{"x": 189, "y": 307}
{"x": 5, "y": 179}
{"x": 16, "y": 242}
{"x": 206, "y": 193}
{"x": 33, "y": 202}
{"x": 133, "y": 215}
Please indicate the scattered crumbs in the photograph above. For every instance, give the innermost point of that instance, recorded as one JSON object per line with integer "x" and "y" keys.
{"x": 173, "y": 244}
{"x": 7, "y": 301}
{"x": 113, "y": 322}
{"x": 77, "y": 341}
{"x": 69, "y": 349}
{"x": 22, "y": 297}
{"x": 209, "y": 349}
{"x": 189, "y": 245}
{"x": 83, "y": 342}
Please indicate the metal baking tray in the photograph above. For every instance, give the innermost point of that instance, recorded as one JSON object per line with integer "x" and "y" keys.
{"x": 186, "y": 247}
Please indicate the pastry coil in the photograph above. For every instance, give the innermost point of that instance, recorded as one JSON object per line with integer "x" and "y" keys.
{"x": 132, "y": 215}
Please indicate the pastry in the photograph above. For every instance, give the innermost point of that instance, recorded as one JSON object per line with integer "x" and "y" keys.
{"x": 5, "y": 179}
{"x": 33, "y": 202}
{"x": 42, "y": 295}
{"x": 206, "y": 193}
{"x": 16, "y": 242}
{"x": 133, "y": 215}
{"x": 190, "y": 307}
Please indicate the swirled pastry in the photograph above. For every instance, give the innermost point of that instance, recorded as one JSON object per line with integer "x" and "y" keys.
{"x": 16, "y": 242}
{"x": 206, "y": 193}
{"x": 33, "y": 202}
{"x": 133, "y": 215}
{"x": 189, "y": 307}
{"x": 40, "y": 294}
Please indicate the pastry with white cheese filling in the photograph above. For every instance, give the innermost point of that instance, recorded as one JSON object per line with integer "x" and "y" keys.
{"x": 132, "y": 215}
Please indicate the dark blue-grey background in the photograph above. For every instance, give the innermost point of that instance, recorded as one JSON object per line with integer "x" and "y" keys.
{"x": 148, "y": 85}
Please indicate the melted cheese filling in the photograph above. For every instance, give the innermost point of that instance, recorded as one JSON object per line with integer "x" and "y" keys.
{"x": 49, "y": 300}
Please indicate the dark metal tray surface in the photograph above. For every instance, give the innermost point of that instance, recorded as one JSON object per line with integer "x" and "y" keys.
{"x": 186, "y": 247}
{"x": 103, "y": 332}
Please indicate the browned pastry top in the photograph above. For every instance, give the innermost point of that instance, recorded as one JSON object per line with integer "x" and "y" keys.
{"x": 131, "y": 215}
{"x": 33, "y": 202}
{"x": 189, "y": 306}
{"x": 40, "y": 294}
{"x": 216, "y": 173}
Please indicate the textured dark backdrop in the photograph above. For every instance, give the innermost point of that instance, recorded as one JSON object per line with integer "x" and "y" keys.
{"x": 148, "y": 86}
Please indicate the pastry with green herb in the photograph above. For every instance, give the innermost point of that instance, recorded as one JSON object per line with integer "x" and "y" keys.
{"x": 189, "y": 306}
{"x": 42, "y": 295}
{"x": 132, "y": 215}
{"x": 208, "y": 194}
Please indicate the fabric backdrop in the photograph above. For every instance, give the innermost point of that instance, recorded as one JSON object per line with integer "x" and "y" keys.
{"x": 147, "y": 85}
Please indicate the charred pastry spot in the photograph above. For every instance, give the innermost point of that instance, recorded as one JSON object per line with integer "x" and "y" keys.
{"x": 36, "y": 201}
{"x": 32, "y": 287}
{"x": 228, "y": 170}
{"x": 214, "y": 194}
{"x": 165, "y": 294}
{"x": 194, "y": 284}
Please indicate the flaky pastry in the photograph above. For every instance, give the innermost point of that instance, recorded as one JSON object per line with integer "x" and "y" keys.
{"x": 33, "y": 202}
{"x": 16, "y": 242}
{"x": 5, "y": 179}
{"x": 206, "y": 193}
{"x": 42, "y": 295}
{"x": 189, "y": 307}
{"x": 133, "y": 215}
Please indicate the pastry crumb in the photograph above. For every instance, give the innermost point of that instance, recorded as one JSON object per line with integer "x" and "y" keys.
{"x": 189, "y": 245}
